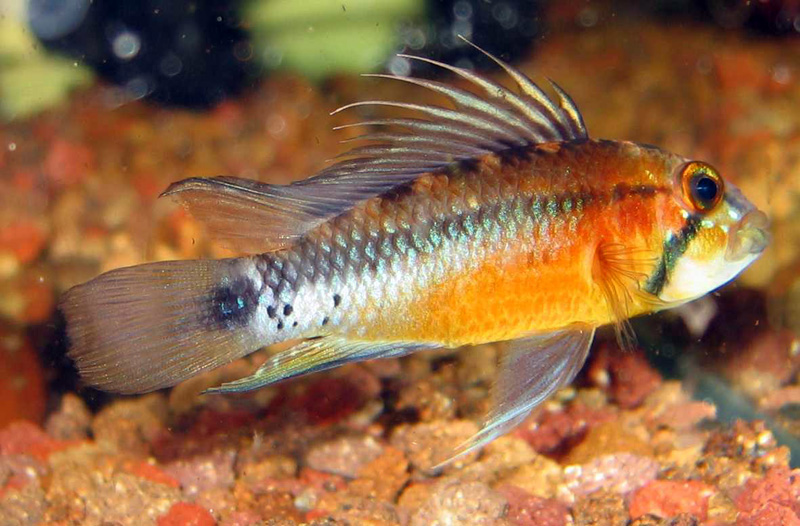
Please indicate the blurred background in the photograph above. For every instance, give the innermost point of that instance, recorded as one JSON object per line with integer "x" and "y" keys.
{"x": 103, "y": 104}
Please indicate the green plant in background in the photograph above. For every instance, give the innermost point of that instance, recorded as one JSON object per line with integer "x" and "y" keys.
{"x": 31, "y": 79}
{"x": 320, "y": 37}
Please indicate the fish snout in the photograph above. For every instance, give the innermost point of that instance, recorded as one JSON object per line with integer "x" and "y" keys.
{"x": 750, "y": 236}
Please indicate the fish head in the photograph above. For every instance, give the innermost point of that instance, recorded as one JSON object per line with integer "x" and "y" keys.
{"x": 722, "y": 234}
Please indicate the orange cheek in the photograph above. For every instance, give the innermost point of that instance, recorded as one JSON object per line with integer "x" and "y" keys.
{"x": 707, "y": 244}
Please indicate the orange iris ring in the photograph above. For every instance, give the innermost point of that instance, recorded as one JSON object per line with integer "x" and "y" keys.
{"x": 689, "y": 174}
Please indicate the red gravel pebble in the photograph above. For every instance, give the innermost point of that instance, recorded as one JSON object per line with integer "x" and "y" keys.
{"x": 773, "y": 500}
{"x": 620, "y": 472}
{"x": 22, "y": 388}
{"x": 668, "y": 498}
{"x": 150, "y": 472}
{"x": 329, "y": 400}
{"x": 242, "y": 518}
{"x": 525, "y": 509}
{"x": 67, "y": 162}
{"x": 186, "y": 514}
{"x": 551, "y": 431}
{"x": 23, "y": 238}
{"x": 27, "y": 438}
{"x": 627, "y": 376}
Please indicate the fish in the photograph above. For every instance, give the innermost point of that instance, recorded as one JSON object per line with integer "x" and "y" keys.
{"x": 494, "y": 218}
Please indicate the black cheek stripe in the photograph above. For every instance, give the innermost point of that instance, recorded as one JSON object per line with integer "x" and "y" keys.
{"x": 672, "y": 251}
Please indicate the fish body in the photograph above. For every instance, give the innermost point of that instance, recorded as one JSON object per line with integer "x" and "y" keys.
{"x": 500, "y": 220}
{"x": 487, "y": 251}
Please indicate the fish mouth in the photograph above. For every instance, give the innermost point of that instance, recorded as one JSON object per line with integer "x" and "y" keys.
{"x": 749, "y": 237}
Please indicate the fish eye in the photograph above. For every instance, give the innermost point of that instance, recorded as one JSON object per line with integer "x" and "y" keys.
{"x": 702, "y": 186}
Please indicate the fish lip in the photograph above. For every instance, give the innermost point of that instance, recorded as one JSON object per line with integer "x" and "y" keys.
{"x": 750, "y": 237}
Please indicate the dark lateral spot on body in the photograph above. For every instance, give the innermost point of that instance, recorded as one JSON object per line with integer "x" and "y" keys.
{"x": 280, "y": 325}
{"x": 271, "y": 311}
{"x": 398, "y": 192}
{"x": 233, "y": 305}
{"x": 467, "y": 166}
{"x": 337, "y": 300}
{"x": 294, "y": 324}
{"x": 325, "y": 320}
{"x": 514, "y": 154}
{"x": 621, "y": 191}
{"x": 287, "y": 310}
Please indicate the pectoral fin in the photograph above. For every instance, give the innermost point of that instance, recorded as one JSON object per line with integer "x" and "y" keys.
{"x": 314, "y": 355}
{"x": 619, "y": 271}
{"x": 531, "y": 370}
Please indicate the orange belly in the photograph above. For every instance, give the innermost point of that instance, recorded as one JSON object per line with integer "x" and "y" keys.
{"x": 509, "y": 300}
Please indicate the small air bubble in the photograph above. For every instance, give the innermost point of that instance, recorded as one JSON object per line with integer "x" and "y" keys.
{"x": 276, "y": 125}
{"x": 506, "y": 15}
{"x": 171, "y": 65}
{"x": 463, "y": 28}
{"x": 415, "y": 38}
{"x": 272, "y": 57}
{"x": 12, "y": 146}
{"x": 782, "y": 74}
{"x": 243, "y": 51}
{"x": 126, "y": 45}
{"x": 704, "y": 65}
{"x": 588, "y": 17}
{"x": 462, "y": 10}
{"x": 137, "y": 88}
{"x": 399, "y": 66}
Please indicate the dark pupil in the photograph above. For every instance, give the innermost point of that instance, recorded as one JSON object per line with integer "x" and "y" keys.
{"x": 706, "y": 189}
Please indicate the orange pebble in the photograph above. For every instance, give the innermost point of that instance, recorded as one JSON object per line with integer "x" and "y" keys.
{"x": 22, "y": 388}
{"x": 150, "y": 472}
{"x": 668, "y": 498}
{"x": 24, "y": 238}
{"x": 186, "y": 514}
{"x": 68, "y": 163}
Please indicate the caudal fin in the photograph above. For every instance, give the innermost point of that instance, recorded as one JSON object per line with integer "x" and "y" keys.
{"x": 137, "y": 329}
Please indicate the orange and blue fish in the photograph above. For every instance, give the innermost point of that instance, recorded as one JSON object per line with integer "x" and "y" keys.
{"x": 495, "y": 220}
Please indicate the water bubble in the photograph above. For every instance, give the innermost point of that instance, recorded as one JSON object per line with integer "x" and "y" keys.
{"x": 276, "y": 125}
{"x": 463, "y": 28}
{"x": 782, "y": 74}
{"x": 243, "y": 51}
{"x": 51, "y": 19}
{"x": 588, "y": 17}
{"x": 506, "y": 15}
{"x": 399, "y": 66}
{"x": 704, "y": 65}
{"x": 126, "y": 45}
{"x": 170, "y": 65}
{"x": 462, "y": 10}
{"x": 272, "y": 57}
{"x": 137, "y": 88}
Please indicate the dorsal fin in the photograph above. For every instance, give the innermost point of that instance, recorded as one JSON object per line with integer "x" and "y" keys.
{"x": 501, "y": 119}
{"x": 256, "y": 217}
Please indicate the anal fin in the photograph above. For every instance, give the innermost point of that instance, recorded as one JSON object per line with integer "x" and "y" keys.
{"x": 314, "y": 355}
{"x": 531, "y": 370}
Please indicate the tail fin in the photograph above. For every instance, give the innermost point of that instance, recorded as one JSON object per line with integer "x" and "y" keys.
{"x": 142, "y": 328}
